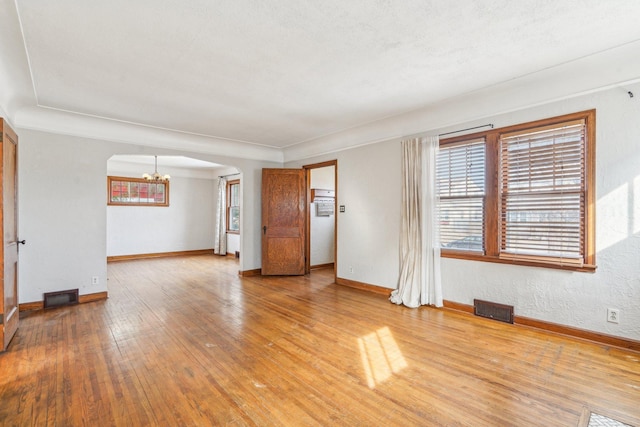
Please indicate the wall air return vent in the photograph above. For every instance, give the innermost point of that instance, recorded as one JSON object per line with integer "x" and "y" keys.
{"x": 492, "y": 310}
{"x": 60, "y": 298}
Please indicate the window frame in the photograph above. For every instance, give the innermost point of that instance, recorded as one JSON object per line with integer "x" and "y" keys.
{"x": 492, "y": 211}
{"x": 110, "y": 201}
{"x": 229, "y": 206}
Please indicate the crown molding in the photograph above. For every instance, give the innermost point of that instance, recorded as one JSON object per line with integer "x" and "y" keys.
{"x": 604, "y": 70}
{"x": 96, "y": 128}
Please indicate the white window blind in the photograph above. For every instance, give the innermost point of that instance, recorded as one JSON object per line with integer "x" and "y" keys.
{"x": 460, "y": 181}
{"x": 542, "y": 192}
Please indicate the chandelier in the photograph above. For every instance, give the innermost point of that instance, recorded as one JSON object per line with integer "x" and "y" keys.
{"x": 156, "y": 176}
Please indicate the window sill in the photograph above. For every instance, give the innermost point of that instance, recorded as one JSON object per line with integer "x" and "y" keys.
{"x": 150, "y": 205}
{"x": 585, "y": 268}
{"x": 233, "y": 232}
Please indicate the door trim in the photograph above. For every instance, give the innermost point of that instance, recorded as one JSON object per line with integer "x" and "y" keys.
{"x": 307, "y": 242}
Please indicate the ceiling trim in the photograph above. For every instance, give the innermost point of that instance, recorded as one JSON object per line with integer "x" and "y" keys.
{"x": 68, "y": 123}
{"x": 605, "y": 70}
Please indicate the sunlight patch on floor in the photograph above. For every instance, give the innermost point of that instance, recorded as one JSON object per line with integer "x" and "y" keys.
{"x": 597, "y": 420}
{"x": 380, "y": 356}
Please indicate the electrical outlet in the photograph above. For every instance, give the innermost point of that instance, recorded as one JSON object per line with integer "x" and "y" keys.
{"x": 350, "y": 269}
{"x": 94, "y": 280}
{"x": 613, "y": 315}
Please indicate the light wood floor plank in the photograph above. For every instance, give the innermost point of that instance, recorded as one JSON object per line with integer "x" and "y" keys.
{"x": 186, "y": 341}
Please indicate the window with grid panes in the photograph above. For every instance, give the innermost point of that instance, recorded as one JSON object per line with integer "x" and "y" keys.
{"x": 537, "y": 204}
{"x": 123, "y": 191}
{"x": 233, "y": 206}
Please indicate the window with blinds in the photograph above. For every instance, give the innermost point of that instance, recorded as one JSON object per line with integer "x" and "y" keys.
{"x": 522, "y": 194}
{"x": 460, "y": 182}
{"x": 542, "y": 192}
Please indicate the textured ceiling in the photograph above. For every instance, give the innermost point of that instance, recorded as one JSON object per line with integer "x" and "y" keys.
{"x": 286, "y": 72}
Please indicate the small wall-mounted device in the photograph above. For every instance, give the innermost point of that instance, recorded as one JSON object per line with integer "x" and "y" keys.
{"x": 341, "y": 208}
{"x": 324, "y": 208}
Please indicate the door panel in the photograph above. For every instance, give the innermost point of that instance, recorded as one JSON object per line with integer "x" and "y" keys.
{"x": 9, "y": 301}
{"x": 283, "y": 221}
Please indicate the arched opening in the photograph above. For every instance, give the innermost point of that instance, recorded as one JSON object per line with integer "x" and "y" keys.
{"x": 186, "y": 225}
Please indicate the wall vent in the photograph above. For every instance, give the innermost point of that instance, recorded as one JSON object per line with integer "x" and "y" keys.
{"x": 60, "y": 298}
{"x": 493, "y": 310}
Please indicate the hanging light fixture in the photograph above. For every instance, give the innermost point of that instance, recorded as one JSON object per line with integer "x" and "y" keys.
{"x": 156, "y": 176}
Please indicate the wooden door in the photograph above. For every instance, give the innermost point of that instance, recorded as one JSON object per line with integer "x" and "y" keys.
{"x": 284, "y": 202}
{"x": 9, "y": 312}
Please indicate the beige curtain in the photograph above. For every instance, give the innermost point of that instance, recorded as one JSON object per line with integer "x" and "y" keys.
{"x": 220, "y": 241}
{"x": 419, "y": 280}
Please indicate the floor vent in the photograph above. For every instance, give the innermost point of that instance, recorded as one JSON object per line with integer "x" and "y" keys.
{"x": 60, "y": 298}
{"x": 493, "y": 310}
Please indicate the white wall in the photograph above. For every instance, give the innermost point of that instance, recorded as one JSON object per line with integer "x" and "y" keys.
{"x": 367, "y": 241}
{"x": 233, "y": 242}
{"x": 368, "y": 230}
{"x": 322, "y": 238}
{"x": 63, "y": 215}
{"x": 187, "y": 224}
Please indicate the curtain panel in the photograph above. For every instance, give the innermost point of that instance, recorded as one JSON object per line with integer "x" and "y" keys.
{"x": 419, "y": 277}
{"x": 220, "y": 241}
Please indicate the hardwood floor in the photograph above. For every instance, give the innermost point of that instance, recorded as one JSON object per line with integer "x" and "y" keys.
{"x": 185, "y": 341}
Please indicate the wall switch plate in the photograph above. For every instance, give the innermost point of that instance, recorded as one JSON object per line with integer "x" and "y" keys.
{"x": 613, "y": 315}
{"x": 341, "y": 208}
